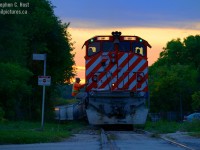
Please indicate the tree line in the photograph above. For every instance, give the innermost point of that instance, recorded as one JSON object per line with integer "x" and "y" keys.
{"x": 174, "y": 78}
{"x": 39, "y": 31}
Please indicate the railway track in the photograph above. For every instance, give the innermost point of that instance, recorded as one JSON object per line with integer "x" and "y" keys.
{"x": 107, "y": 143}
{"x": 138, "y": 139}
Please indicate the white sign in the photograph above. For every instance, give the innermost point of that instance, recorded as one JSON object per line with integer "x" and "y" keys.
{"x": 39, "y": 56}
{"x": 44, "y": 80}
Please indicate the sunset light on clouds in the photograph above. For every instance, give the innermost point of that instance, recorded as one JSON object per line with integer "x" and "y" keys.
{"x": 155, "y": 21}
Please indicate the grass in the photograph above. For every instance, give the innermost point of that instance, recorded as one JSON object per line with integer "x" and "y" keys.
{"x": 30, "y": 132}
{"x": 161, "y": 127}
{"x": 195, "y": 134}
{"x": 22, "y": 132}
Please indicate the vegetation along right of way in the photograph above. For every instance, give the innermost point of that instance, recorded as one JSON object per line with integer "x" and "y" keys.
{"x": 40, "y": 31}
{"x": 163, "y": 127}
{"x": 174, "y": 78}
{"x": 23, "y": 132}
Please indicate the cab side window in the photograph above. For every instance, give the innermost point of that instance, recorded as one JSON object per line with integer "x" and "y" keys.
{"x": 93, "y": 48}
{"x": 139, "y": 48}
{"x": 108, "y": 46}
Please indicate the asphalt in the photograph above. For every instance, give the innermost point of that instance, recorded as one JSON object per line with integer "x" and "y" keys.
{"x": 183, "y": 138}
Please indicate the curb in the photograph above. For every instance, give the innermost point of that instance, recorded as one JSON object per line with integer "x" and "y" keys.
{"x": 166, "y": 139}
{"x": 176, "y": 143}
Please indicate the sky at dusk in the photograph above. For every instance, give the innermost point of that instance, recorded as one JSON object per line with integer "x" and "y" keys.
{"x": 156, "y": 21}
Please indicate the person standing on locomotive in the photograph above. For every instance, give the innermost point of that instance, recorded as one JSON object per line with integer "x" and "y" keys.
{"x": 76, "y": 89}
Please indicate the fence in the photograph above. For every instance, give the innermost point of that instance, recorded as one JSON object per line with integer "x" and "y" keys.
{"x": 169, "y": 116}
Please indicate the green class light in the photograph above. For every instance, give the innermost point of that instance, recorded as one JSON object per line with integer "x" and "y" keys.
{"x": 91, "y": 40}
{"x": 140, "y": 40}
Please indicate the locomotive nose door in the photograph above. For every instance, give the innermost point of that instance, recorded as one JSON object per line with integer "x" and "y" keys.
{"x": 123, "y": 59}
{"x": 122, "y": 76}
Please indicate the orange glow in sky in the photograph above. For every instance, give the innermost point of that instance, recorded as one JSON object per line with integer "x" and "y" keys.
{"x": 156, "y": 37}
{"x": 158, "y": 22}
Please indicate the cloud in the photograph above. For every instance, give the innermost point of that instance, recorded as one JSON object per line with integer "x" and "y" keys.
{"x": 156, "y": 21}
{"x": 97, "y": 24}
{"x": 80, "y": 67}
{"x": 129, "y": 13}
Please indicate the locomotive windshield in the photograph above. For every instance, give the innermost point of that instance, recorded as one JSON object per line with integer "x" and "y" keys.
{"x": 124, "y": 46}
{"x": 108, "y": 46}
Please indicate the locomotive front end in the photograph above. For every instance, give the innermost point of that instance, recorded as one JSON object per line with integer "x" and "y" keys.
{"x": 117, "y": 79}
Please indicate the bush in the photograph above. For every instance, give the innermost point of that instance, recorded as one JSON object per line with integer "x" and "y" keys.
{"x": 162, "y": 126}
{"x": 63, "y": 101}
{"x": 191, "y": 126}
{"x": 1, "y": 114}
{"x": 196, "y": 101}
{"x": 171, "y": 127}
{"x": 30, "y": 132}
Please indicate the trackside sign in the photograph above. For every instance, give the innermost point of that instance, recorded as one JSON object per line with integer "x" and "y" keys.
{"x": 44, "y": 80}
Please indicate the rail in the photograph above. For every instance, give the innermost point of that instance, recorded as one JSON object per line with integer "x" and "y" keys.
{"x": 107, "y": 143}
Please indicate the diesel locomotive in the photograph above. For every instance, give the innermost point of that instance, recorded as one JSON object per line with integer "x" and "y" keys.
{"x": 117, "y": 79}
